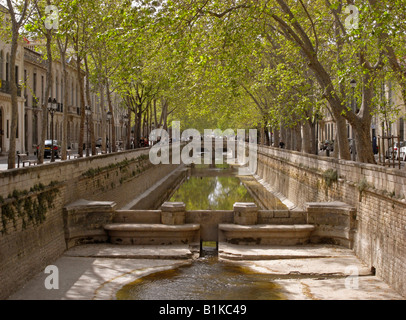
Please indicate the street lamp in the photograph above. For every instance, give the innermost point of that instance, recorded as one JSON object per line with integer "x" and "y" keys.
{"x": 109, "y": 116}
{"x": 88, "y": 112}
{"x": 52, "y": 106}
{"x": 353, "y": 149}
{"x": 126, "y": 121}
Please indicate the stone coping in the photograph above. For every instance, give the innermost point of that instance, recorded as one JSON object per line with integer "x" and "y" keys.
{"x": 266, "y": 227}
{"x": 173, "y": 206}
{"x": 285, "y": 154}
{"x": 150, "y": 227}
{"x": 93, "y": 205}
{"x": 245, "y": 207}
{"x": 131, "y": 251}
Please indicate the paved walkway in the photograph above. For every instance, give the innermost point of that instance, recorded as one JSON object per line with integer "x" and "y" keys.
{"x": 303, "y": 272}
{"x": 4, "y": 159}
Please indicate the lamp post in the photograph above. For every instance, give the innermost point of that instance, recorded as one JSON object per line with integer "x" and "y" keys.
{"x": 353, "y": 149}
{"x": 88, "y": 112}
{"x": 109, "y": 116}
{"x": 52, "y": 106}
{"x": 317, "y": 134}
{"x": 126, "y": 121}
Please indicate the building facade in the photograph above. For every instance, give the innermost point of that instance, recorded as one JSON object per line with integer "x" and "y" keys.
{"x": 31, "y": 71}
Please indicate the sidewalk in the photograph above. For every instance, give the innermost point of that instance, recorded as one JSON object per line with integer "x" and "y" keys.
{"x": 4, "y": 160}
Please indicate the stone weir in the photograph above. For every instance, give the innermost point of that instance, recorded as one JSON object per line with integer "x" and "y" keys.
{"x": 98, "y": 222}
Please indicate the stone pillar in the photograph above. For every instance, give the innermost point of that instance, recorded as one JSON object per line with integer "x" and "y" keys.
{"x": 173, "y": 213}
{"x": 245, "y": 213}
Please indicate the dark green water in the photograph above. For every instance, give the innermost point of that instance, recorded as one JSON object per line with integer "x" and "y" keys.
{"x": 205, "y": 279}
{"x": 211, "y": 193}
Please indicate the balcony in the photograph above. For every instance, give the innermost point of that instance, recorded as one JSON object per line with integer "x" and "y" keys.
{"x": 5, "y": 87}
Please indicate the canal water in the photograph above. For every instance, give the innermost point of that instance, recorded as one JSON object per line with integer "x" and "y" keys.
{"x": 218, "y": 187}
{"x": 205, "y": 279}
{"x": 210, "y": 188}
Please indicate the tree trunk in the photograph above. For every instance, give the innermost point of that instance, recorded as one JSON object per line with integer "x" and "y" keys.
{"x": 112, "y": 120}
{"x": 14, "y": 100}
{"x": 89, "y": 103}
{"x": 298, "y": 138}
{"x": 306, "y": 140}
{"x": 64, "y": 146}
{"x": 49, "y": 80}
{"x": 128, "y": 128}
{"x": 314, "y": 138}
{"x": 276, "y": 137}
{"x": 82, "y": 106}
{"x": 103, "y": 116}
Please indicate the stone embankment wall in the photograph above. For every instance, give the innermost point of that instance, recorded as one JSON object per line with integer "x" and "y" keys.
{"x": 378, "y": 194}
{"x": 32, "y": 199}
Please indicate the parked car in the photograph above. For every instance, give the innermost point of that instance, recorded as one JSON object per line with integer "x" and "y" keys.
{"x": 398, "y": 150}
{"x": 328, "y": 145}
{"x": 99, "y": 143}
{"x": 48, "y": 148}
{"x": 403, "y": 153}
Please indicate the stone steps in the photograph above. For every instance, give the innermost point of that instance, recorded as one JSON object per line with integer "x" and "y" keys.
{"x": 152, "y": 234}
{"x": 113, "y": 251}
{"x": 266, "y": 234}
{"x": 234, "y": 252}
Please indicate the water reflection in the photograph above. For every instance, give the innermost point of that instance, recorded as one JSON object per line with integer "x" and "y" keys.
{"x": 205, "y": 279}
{"x": 211, "y": 193}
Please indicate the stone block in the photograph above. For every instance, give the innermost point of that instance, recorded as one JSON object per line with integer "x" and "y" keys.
{"x": 245, "y": 213}
{"x": 173, "y": 213}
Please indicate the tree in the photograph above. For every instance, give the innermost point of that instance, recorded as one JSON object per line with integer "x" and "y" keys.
{"x": 17, "y": 13}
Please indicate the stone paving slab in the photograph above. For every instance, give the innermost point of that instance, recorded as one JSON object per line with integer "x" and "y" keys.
{"x": 311, "y": 260}
{"x": 92, "y": 278}
{"x": 131, "y": 251}
{"x": 258, "y": 252}
{"x": 366, "y": 288}
{"x": 334, "y": 266}
{"x": 93, "y": 272}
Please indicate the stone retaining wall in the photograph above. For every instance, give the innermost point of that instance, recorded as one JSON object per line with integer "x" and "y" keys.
{"x": 33, "y": 234}
{"x": 378, "y": 194}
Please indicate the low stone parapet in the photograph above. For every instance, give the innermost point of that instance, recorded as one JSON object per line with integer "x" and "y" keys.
{"x": 152, "y": 234}
{"x": 335, "y": 222}
{"x": 173, "y": 213}
{"x": 265, "y": 234}
{"x": 84, "y": 221}
{"x": 245, "y": 213}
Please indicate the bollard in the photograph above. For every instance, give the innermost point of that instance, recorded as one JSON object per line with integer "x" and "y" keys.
{"x": 245, "y": 213}
{"x": 173, "y": 213}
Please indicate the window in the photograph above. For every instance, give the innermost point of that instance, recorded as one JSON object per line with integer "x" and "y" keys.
{"x": 7, "y": 67}
{"x": 1, "y": 65}
{"x": 34, "y": 84}
{"x": 25, "y": 84}
{"x": 402, "y": 129}
{"x": 16, "y": 71}
{"x": 42, "y": 90}
{"x": 56, "y": 89}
